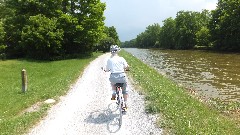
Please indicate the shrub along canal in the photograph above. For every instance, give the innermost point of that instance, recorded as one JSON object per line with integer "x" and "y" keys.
{"x": 214, "y": 75}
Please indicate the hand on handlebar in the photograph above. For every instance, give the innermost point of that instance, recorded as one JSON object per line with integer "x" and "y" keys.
{"x": 127, "y": 69}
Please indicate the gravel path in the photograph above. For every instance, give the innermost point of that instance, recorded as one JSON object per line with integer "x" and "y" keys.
{"x": 88, "y": 110}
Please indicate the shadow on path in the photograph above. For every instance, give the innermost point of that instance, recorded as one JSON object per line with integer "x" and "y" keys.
{"x": 110, "y": 116}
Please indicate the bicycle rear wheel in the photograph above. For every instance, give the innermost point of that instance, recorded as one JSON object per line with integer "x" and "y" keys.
{"x": 120, "y": 113}
{"x": 120, "y": 105}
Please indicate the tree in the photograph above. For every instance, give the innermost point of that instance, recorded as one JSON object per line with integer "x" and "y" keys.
{"x": 22, "y": 11}
{"x": 2, "y": 34}
{"x": 186, "y": 27}
{"x": 105, "y": 44}
{"x": 153, "y": 32}
{"x": 203, "y": 34}
{"x": 79, "y": 25}
{"x": 225, "y": 27}
{"x": 112, "y": 32}
{"x": 71, "y": 27}
{"x": 4, "y": 10}
{"x": 141, "y": 40}
{"x": 150, "y": 37}
{"x": 167, "y": 34}
{"x": 2, "y": 45}
{"x": 203, "y": 37}
{"x": 129, "y": 44}
{"x": 110, "y": 37}
{"x": 90, "y": 17}
{"x": 41, "y": 38}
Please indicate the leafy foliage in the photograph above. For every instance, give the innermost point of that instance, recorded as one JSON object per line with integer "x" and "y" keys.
{"x": 186, "y": 27}
{"x": 225, "y": 26}
{"x": 40, "y": 37}
{"x": 150, "y": 37}
{"x": 167, "y": 34}
{"x": 90, "y": 16}
{"x": 105, "y": 44}
{"x": 110, "y": 38}
{"x": 2, "y": 33}
{"x": 53, "y": 28}
{"x": 112, "y": 32}
{"x": 2, "y": 46}
{"x": 203, "y": 37}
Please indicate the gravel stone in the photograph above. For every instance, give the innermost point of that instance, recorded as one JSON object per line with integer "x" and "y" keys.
{"x": 88, "y": 110}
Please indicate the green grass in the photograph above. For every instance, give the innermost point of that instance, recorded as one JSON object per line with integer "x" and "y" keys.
{"x": 45, "y": 80}
{"x": 181, "y": 113}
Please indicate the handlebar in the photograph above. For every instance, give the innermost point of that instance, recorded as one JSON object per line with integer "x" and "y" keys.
{"x": 104, "y": 69}
{"x": 126, "y": 69}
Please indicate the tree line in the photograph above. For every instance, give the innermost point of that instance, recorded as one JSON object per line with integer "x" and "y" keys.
{"x": 53, "y": 29}
{"x": 218, "y": 29}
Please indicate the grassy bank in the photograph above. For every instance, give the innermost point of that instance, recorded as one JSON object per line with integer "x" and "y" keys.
{"x": 182, "y": 113}
{"x": 45, "y": 80}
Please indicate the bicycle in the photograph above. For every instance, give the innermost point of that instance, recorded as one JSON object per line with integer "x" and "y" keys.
{"x": 120, "y": 101}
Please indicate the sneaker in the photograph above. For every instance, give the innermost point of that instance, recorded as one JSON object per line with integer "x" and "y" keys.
{"x": 124, "y": 110}
{"x": 113, "y": 97}
{"x": 125, "y": 106}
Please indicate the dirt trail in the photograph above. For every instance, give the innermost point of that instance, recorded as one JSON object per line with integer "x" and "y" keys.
{"x": 88, "y": 110}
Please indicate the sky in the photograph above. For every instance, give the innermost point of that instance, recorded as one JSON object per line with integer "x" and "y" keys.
{"x": 131, "y": 17}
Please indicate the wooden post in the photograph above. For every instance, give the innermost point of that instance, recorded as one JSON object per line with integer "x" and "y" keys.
{"x": 24, "y": 81}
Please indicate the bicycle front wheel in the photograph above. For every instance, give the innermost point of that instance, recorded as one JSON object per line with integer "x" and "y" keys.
{"x": 120, "y": 112}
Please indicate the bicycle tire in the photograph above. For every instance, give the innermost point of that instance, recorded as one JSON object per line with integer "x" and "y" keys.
{"x": 120, "y": 101}
{"x": 120, "y": 113}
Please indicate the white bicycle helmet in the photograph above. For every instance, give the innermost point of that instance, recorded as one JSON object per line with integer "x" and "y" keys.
{"x": 114, "y": 49}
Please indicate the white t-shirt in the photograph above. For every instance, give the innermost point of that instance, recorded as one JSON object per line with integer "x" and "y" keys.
{"x": 116, "y": 64}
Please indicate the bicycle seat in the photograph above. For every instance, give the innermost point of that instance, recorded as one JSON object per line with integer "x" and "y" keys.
{"x": 119, "y": 84}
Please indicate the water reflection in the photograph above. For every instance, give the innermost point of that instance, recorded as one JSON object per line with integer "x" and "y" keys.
{"x": 211, "y": 74}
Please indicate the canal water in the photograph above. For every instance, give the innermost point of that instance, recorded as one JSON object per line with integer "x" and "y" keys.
{"x": 214, "y": 75}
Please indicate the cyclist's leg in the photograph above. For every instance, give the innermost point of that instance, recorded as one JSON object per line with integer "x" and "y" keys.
{"x": 113, "y": 91}
{"x": 112, "y": 80}
{"x": 125, "y": 93}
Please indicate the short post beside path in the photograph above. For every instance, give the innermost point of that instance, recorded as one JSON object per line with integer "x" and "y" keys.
{"x": 24, "y": 80}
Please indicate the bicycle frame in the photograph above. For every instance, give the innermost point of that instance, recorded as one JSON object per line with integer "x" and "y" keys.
{"x": 120, "y": 100}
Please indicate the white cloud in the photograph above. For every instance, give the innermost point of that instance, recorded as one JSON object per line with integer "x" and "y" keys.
{"x": 210, "y": 6}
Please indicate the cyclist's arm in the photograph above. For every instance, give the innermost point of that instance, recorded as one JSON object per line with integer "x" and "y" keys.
{"x": 106, "y": 68}
{"x": 126, "y": 66}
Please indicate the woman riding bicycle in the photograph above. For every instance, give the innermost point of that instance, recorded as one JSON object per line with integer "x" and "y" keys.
{"x": 117, "y": 66}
